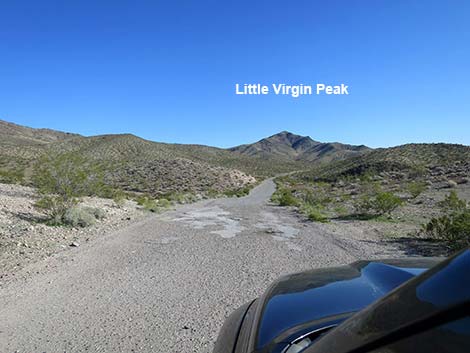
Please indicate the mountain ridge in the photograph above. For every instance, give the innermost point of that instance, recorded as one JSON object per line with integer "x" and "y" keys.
{"x": 300, "y": 148}
{"x": 139, "y": 165}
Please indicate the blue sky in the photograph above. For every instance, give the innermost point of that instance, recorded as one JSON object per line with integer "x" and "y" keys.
{"x": 166, "y": 70}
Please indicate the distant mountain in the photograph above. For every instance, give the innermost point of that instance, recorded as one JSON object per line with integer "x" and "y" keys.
{"x": 286, "y": 145}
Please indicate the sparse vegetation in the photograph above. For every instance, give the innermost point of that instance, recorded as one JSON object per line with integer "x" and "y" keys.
{"x": 453, "y": 225}
{"x": 315, "y": 214}
{"x": 321, "y": 201}
{"x": 78, "y": 216}
{"x": 378, "y": 204}
{"x": 134, "y": 165}
{"x": 240, "y": 192}
{"x": 153, "y": 205}
{"x": 61, "y": 180}
{"x": 119, "y": 198}
{"x": 284, "y": 197}
{"x": 415, "y": 188}
{"x": 11, "y": 176}
{"x": 452, "y": 203}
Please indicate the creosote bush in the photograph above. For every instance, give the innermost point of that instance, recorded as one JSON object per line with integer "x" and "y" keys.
{"x": 416, "y": 188}
{"x": 62, "y": 180}
{"x": 284, "y": 197}
{"x": 452, "y": 203}
{"x": 453, "y": 225}
{"x": 314, "y": 214}
{"x": 378, "y": 204}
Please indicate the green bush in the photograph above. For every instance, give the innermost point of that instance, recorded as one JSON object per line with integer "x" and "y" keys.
{"x": 54, "y": 207}
{"x": 78, "y": 217}
{"x": 164, "y": 203}
{"x": 141, "y": 200}
{"x": 180, "y": 197}
{"x": 364, "y": 204}
{"x": 98, "y": 213}
{"x": 153, "y": 205}
{"x": 381, "y": 203}
{"x": 314, "y": 214}
{"x": 150, "y": 205}
{"x": 386, "y": 203}
{"x": 453, "y": 228}
{"x": 61, "y": 180}
{"x": 285, "y": 198}
{"x": 237, "y": 192}
{"x": 416, "y": 188}
{"x": 452, "y": 203}
{"x": 81, "y": 216}
{"x": 315, "y": 198}
{"x": 11, "y": 176}
{"x": 453, "y": 225}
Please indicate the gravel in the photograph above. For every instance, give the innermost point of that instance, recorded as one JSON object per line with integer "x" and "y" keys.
{"x": 167, "y": 282}
{"x": 25, "y": 239}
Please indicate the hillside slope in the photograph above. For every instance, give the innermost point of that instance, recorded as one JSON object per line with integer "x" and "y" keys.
{"x": 406, "y": 161}
{"x": 134, "y": 164}
{"x": 13, "y": 135}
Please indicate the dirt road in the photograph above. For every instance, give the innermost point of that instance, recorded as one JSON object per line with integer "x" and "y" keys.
{"x": 166, "y": 284}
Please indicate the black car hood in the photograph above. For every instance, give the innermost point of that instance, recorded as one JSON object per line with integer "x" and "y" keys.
{"x": 316, "y": 295}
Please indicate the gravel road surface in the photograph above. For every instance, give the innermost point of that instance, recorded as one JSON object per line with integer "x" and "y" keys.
{"x": 166, "y": 284}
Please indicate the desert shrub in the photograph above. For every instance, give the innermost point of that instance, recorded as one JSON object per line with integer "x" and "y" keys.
{"x": 54, "y": 207}
{"x": 153, "y": 205}
{"x": 149, "y": 205}
{"x": 417, "y": 171}
{"x": 416, "y": 188}
{"x": 11, "y": 176}
{"x": 364, "y": 204}
{"x": 285, "y": 198}
{"x": 317, "y": 197}
{"x": 81, "y": 216}
{"x": 453, "y": 228}
{"x": 164, "y": 203}
{"x": 240, "y": 192}
{"x": 98, "y": 213}
{"x": 61, "y": 180}
{"x": 381, "y": 203}
{"x": 78, "y": 217}
{"x": 179, "y": 197}
{"x": 386, "y": 203}
{"x": 141, "y": 200}
{"x": 119, "y": 198}
{"x": 315, "y": 214}
{"x": 452, "y": 203}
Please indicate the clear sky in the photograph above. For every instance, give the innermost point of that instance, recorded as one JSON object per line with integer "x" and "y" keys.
{"x": 166, "y": 70}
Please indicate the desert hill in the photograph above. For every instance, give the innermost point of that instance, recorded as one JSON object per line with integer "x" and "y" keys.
{"x": 438, "y": 161}
{"x": 288, "y": 146}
